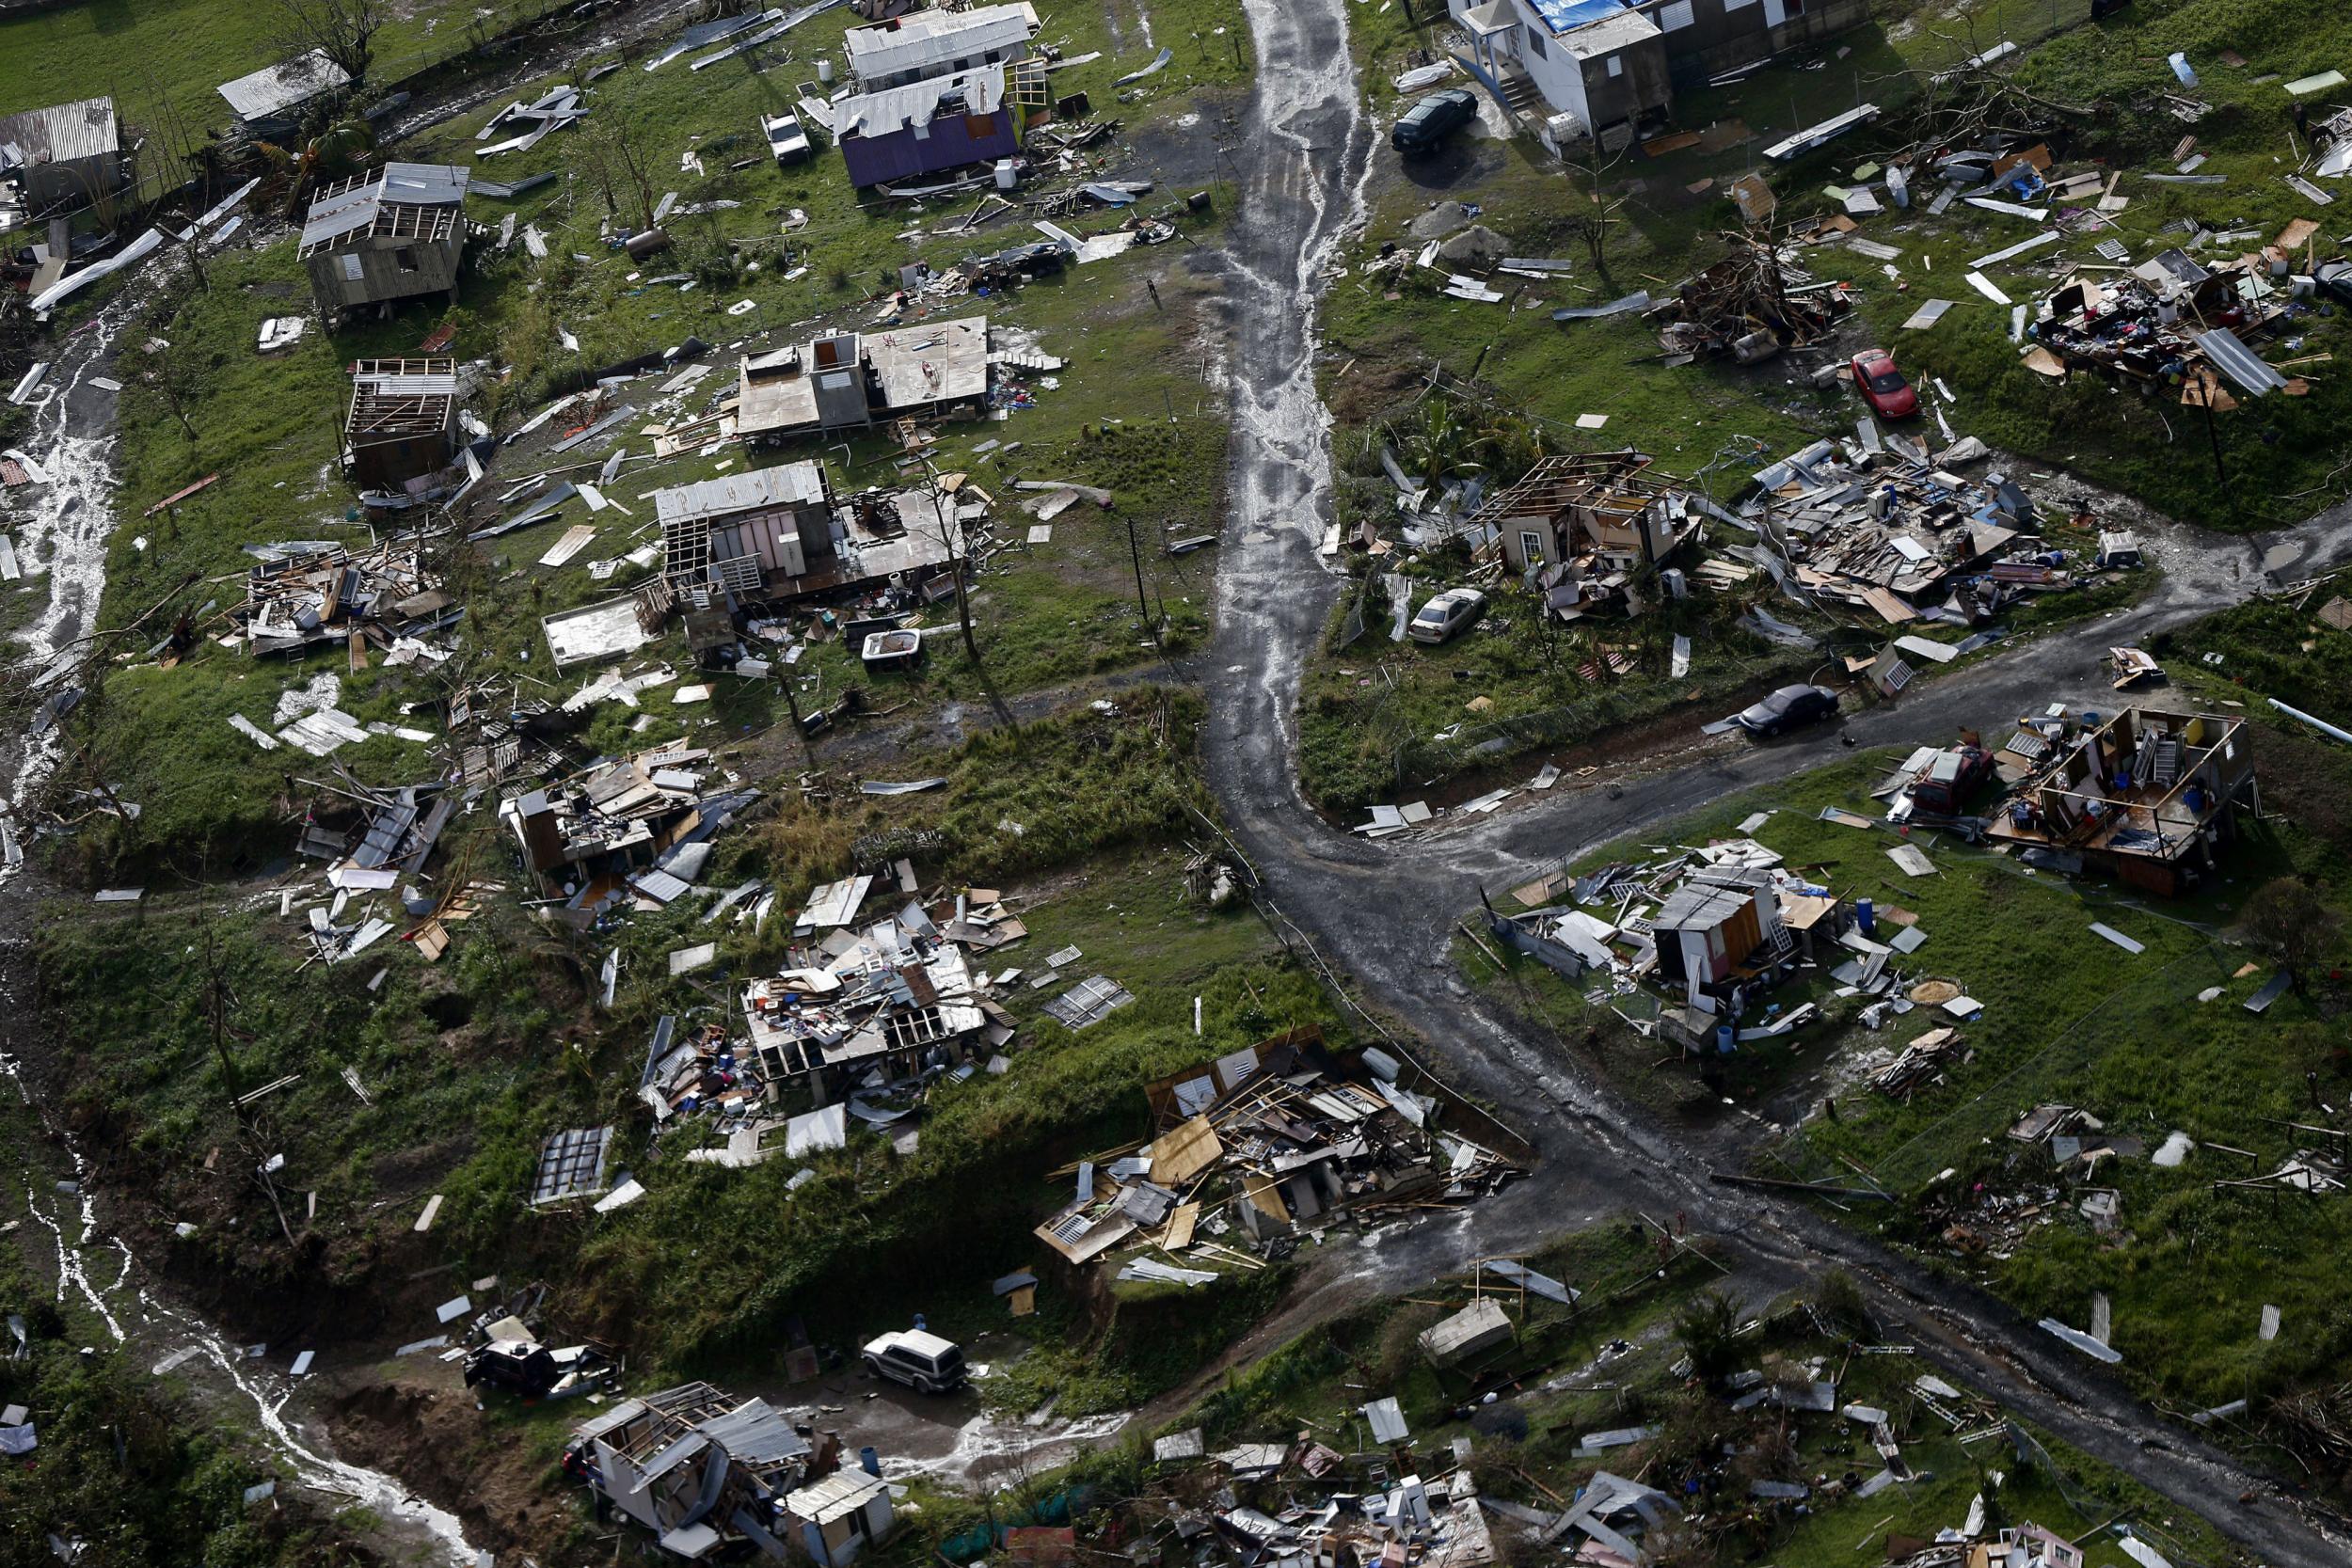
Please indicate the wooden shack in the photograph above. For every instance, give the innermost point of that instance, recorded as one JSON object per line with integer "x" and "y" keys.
{"x": 754, "y": 533}
{"x": 393, "y": 234}
{"x": 402, "y": 423}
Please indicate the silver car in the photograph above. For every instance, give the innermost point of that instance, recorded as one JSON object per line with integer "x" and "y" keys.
{"x": 1454, "y": 611}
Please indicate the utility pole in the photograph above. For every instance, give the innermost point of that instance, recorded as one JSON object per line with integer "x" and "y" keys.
{"x": 792, "y": 704}
{"x": 1143, "y": 605}
{"x": 2213, "y": 435}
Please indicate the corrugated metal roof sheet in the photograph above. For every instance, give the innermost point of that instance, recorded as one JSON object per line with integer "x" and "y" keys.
{"x": 85, "y": 129}
{"x": 928, "y": 39}
{"x": 786, "y": 485}
{"x": 275, "y": 89}
{"x": 881, "y": 113}
{"x": 397, "y": 184}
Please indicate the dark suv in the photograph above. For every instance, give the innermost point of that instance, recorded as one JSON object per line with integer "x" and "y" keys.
{"x": 1434, "y": 118}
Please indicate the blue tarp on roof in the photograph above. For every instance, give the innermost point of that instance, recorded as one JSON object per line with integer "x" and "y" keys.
{"x": 1564, "y": 15}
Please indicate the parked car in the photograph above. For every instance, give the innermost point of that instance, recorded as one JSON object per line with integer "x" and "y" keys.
{"x": 1882, "y": 385}
{"x": 1951, "y": 778}
{"x": 923, "y": 1361}
{"x": 1449, "y": 612}
{"x": 1434, "y": 118}
{"x": 1786, "y": 709}
{"x": 788, "y": 139}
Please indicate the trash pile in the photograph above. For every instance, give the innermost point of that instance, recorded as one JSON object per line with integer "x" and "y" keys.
{"x": 307, "y": 593}
{"x": 1750, "y": 306}
{"x": 1266, "y": 1144}
{"x": 1877, "y": 524}
{"x": 504, "y": 1352}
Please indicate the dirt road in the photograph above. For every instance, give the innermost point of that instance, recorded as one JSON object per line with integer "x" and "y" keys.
{"x": 1381, "y": 913}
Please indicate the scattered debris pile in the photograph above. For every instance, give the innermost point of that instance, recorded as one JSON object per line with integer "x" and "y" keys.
{"x": 307, "y": 593}
{"x": 1750, "y": 306}
{"x": 1271, "y": 1141}
{"x": 504, "y": 1352}
{"x": 1877, "y": 524}
{"x": 2170, "y": 322}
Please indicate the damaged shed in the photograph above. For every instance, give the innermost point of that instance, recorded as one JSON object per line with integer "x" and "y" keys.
{"x": 403, "y": 425}
{"x": 392, "y": 234}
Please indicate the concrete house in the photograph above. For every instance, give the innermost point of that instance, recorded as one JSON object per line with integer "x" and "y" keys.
{"x": 844, "y": 380}
{"x": 938, "y": 43}
{"x": 271, "y": 103}
{"x": 1595, "y": 520}
{"x": 62, "y": 158}
{"x": 402, "y": 423}
{"x": 390, "y": 235}
{"x": 1599, "y": 62}
{"x": 2149, "y": 797}
{"x": 927, "y": 126}
{"x": 1709, "y": 37}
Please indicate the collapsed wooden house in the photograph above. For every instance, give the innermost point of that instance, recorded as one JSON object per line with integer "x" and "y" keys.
{"x": 1591, "y": 523}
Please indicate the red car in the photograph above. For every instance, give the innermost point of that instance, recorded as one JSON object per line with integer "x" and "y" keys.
{"x": 1882, "y": 385}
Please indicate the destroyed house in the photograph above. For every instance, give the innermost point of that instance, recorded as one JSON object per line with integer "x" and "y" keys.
{"x": 62, "y": 158}
{"x": 403, "y": 424}
{"x": 938, "y": 43}
{"x": 1280, "y": 1136}
{"x": 2147, "y": 797}
{"x": 2170, "y": 320}
{"x": 757, "y": 534}
{"x": 307, "y": 594}
{"x": 272, "y": 103}
{"x": 700, "y": 1469}
{"x": 614, "y": 831}
{"x": 775, "y": 534}
{"x": 1719, "y": 926}
{"x": 894, "y": 997}
{"x": 392, "y": 234}
{"x": 847, "y": 379}
{"x": 1600, "y": 64}
{"x": 1600, "y": 517}
{"x": 1883, "y": 530}
{"x": 928, "y": 126}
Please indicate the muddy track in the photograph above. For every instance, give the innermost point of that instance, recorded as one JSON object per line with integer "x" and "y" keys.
{"x": 1382, "y": 912}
